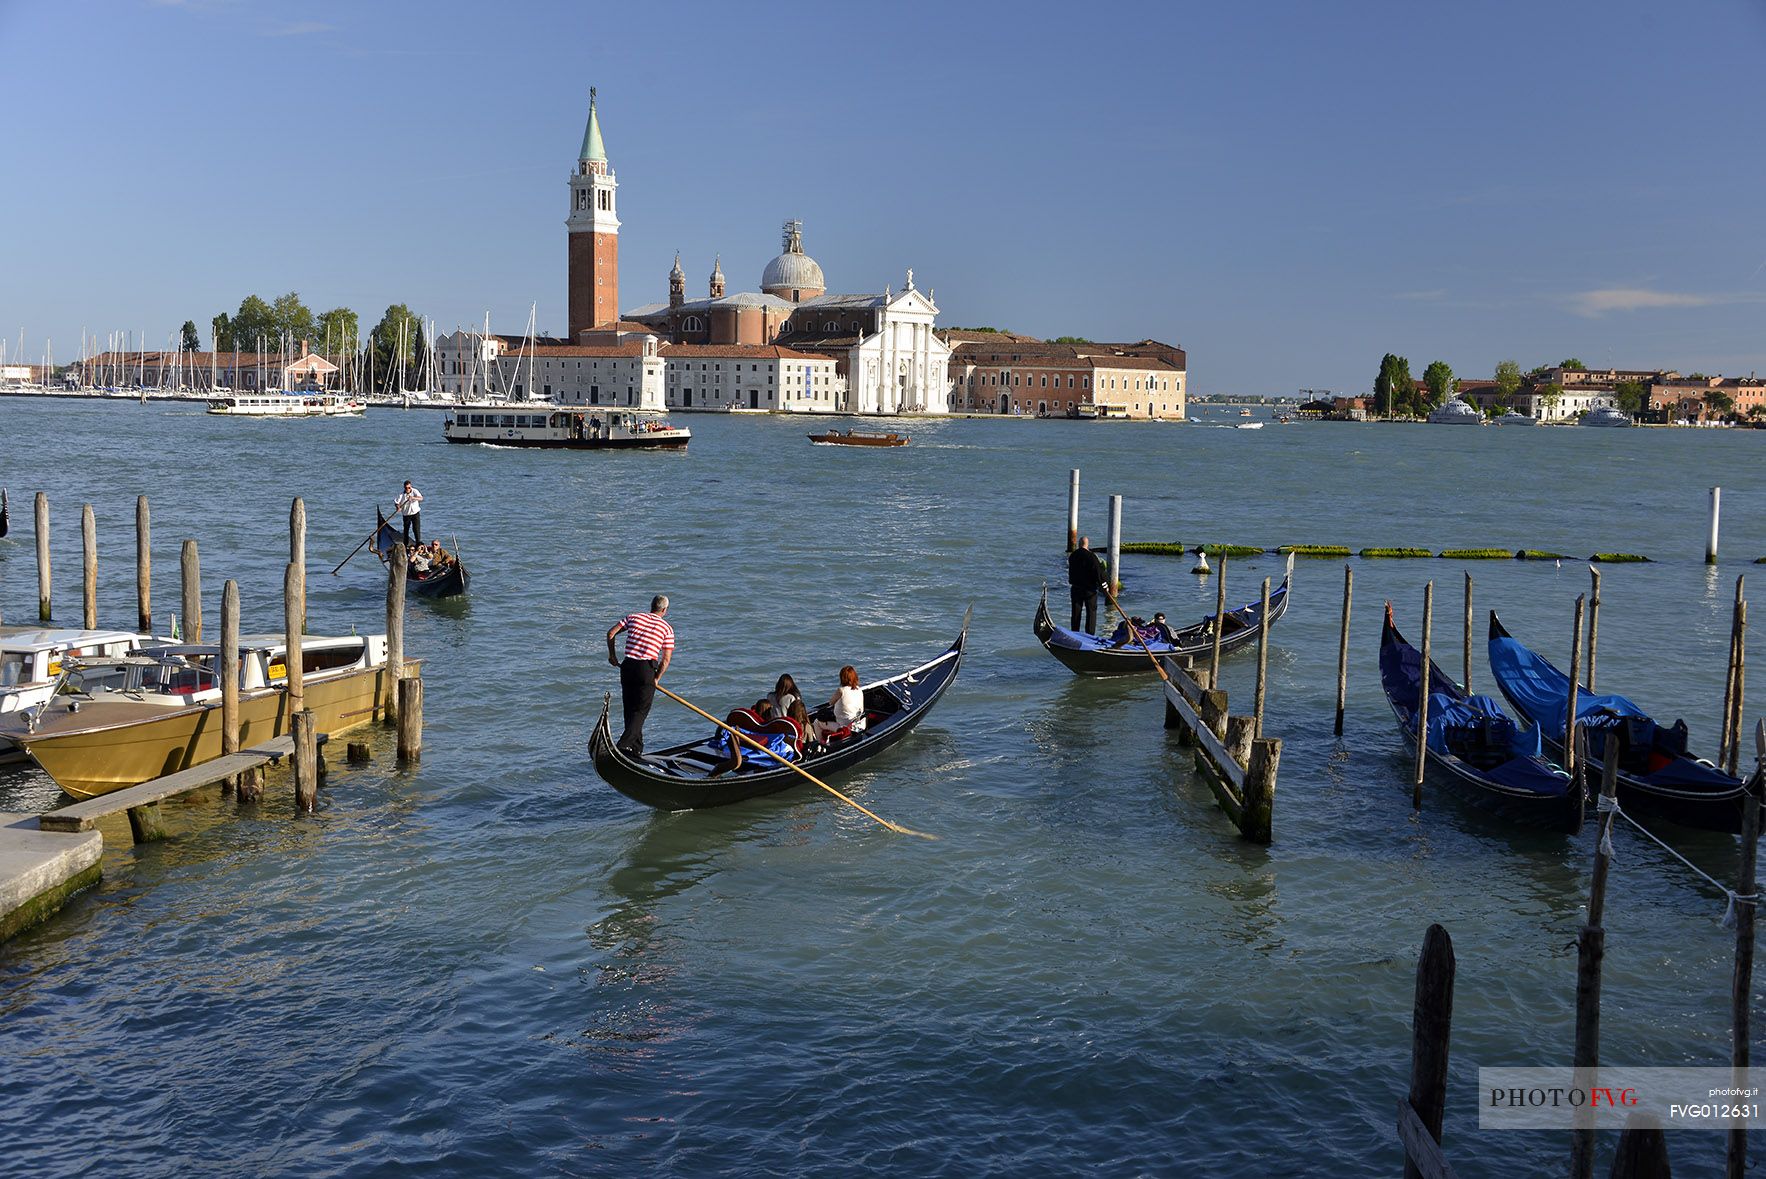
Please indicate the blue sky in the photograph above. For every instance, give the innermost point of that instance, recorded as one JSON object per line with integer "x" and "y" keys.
{"x": 1288, "y": 190}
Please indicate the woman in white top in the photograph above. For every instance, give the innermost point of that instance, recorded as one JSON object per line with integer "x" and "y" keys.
{"x": 783, "y": 695}
{"x": 847, "y": 705}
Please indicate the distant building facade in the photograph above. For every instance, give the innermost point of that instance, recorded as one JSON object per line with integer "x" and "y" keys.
{"x": 1010, "y": 374}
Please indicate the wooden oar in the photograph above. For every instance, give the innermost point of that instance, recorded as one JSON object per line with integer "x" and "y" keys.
{"x": 364, "y": 541}
{"x": 1136, "y": 631}
{"x": 793, "y": 766}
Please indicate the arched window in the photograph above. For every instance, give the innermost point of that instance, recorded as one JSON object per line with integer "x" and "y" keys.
{"x": 692, "y": 324}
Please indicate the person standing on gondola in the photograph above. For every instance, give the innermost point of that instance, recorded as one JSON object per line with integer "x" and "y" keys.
{"x": 1085, "y": 576}
{"x": 409, "y": 506}
{"x": 649, "y": 645}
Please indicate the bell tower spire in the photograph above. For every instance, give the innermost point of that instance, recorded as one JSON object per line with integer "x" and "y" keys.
{"x": 717, "y": 277}
{"x": 593, "y": 227}
{"x": 677, "y": 283}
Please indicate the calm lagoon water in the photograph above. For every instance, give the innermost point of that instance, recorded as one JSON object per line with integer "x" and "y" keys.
{"x": 493, "y": 964}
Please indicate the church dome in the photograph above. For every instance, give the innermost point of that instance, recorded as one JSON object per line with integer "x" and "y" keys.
{"x": 789, "y": 271}
{"x": 793, "y": 270}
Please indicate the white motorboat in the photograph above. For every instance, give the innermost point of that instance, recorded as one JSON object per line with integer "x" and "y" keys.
{"x": 1511, "y": 418}
{"x": 1606, "y": 415}
{"x": 31, "y": 663}
{"x": 274, "y": 404}
{"x": 1456, "y": 412}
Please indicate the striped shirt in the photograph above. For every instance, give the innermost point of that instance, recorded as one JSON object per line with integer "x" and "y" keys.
{"x": 647, "y": 636}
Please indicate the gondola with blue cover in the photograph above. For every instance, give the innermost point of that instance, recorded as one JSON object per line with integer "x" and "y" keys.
{"x": 680, "y": 778}
{"x": 1656, "y": 775}
{"x": 1483, "y": 755}
{"x": 449, "y": 582}
{"x": 1085, "y": 654}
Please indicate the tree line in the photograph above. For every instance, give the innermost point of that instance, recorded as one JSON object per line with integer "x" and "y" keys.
{"x": 1397, "y": 394}
{"x": 283, "y": 323}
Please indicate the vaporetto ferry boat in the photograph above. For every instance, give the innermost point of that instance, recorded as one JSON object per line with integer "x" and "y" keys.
{"x": 564, "y": 429}
{"x": 287, "y": 405}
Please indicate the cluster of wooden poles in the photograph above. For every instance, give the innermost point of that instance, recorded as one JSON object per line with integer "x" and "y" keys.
{"x": 1236, "y": 760}
{"x": 402, "y": 701}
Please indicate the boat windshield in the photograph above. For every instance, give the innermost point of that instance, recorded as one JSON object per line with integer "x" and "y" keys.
{"x": 14, "y": 667}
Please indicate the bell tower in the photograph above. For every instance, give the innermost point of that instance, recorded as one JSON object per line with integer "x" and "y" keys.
{"x": 677, "y": 284}
{"x": 594, "y": 234}
{"x": 717, "y": 277}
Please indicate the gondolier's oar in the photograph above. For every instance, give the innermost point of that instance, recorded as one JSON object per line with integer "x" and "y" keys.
{"x": 365, "y": 540}
{"x": 1136, "y": 631}
{"x": 747, "y": 740}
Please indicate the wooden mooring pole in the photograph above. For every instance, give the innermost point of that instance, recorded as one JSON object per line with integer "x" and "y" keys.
{"x": 1593, "y": 620}
{"x": 1219, "y": 623}
{"x": 43, "y": 579}
{"x": 1591, "y": 945}
{"x": 301, "y": 722}
{"x": 1729, "y": 683}
{"x": 1073, "y": 509}
{"x": 395, "y": 632}
{"x": 1571, "y": 763}
{"x": 1642, "y": 1152}
{"x": 1741, "y": 679}
{"x": 1422, "y": 705}
{"x": 89, "y": 566}
{"x": 143, "y": 568}
{"x": 1467, "y": 682}
{"x": 1741, "y": 988}
{"x": 1262, "y": 662}
{"x": 191, "y": 568}
{"x": 1711, "y": 535}
{"x": 1115, "y": 546}
{"x": 1260, "y": 771}
{"x": 410, "y": 731}
{"x": 297, "y": 550}
{"x": 1425, "y": 1106}
{"x": 229, "y": 674}
{"x": 1343, "y": 647}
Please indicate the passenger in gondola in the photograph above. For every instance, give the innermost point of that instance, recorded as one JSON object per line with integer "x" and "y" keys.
{"x": 420, "y": 561}
{"x": 1162, "y": 632}
{"x": 846, "y": 708}
{"x": 782, "y": 696}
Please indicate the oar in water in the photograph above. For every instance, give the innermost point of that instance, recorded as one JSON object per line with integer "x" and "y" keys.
{"x": 364, "y": 541}
{"x": 793, "y": 766}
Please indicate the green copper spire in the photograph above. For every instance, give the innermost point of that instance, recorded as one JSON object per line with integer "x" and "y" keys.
{"x": 593, "y": 148}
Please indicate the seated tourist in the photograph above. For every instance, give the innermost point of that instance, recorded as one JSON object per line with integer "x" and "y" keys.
{"x": 783, "y": 694}
{"x": 845, "y": 709}
{"x": 1125, "y": 630}
{"x": 420, "y": 560}
{"x": 1160, "y": 632}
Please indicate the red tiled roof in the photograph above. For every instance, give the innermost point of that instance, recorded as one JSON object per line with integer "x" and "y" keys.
{"x": 754, "y": 351}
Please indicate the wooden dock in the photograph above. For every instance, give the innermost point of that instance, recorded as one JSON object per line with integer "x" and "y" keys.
{"x": 142, "y": 802}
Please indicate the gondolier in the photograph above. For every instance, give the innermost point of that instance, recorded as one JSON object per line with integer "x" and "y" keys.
{"x": 649, "y": 645}
{"x": 1085, "y": 576}
{"x": 409, "y": 506}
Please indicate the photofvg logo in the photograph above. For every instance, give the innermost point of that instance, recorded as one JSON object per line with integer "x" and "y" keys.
{"x": 1609, "y": 1097}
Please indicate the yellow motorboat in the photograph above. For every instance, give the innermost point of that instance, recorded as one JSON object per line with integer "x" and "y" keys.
{"x": 159, "y": 710}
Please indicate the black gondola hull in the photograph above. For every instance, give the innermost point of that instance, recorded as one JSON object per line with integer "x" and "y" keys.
{"x": 1555, "y": 812}
{"x": 648, "y": 779}
{"x": 1132, "y": 660}
{"x": 1688, "y": 790}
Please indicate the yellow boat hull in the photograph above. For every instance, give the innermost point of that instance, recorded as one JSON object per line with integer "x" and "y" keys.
{"x": 103, "y": 757}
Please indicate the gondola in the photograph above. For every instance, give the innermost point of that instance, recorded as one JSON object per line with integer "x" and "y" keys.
{"x": 1089, "y": 655}
{"x": 450, "y": 582}
{"x": 5, "y": 520}
{"x": 1656, "y": 775}
{"x": 1484, "y": 756}
{"x": 676, "y": 778}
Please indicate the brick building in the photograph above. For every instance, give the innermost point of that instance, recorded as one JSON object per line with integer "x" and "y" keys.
{"x": 1010, "y": 374}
